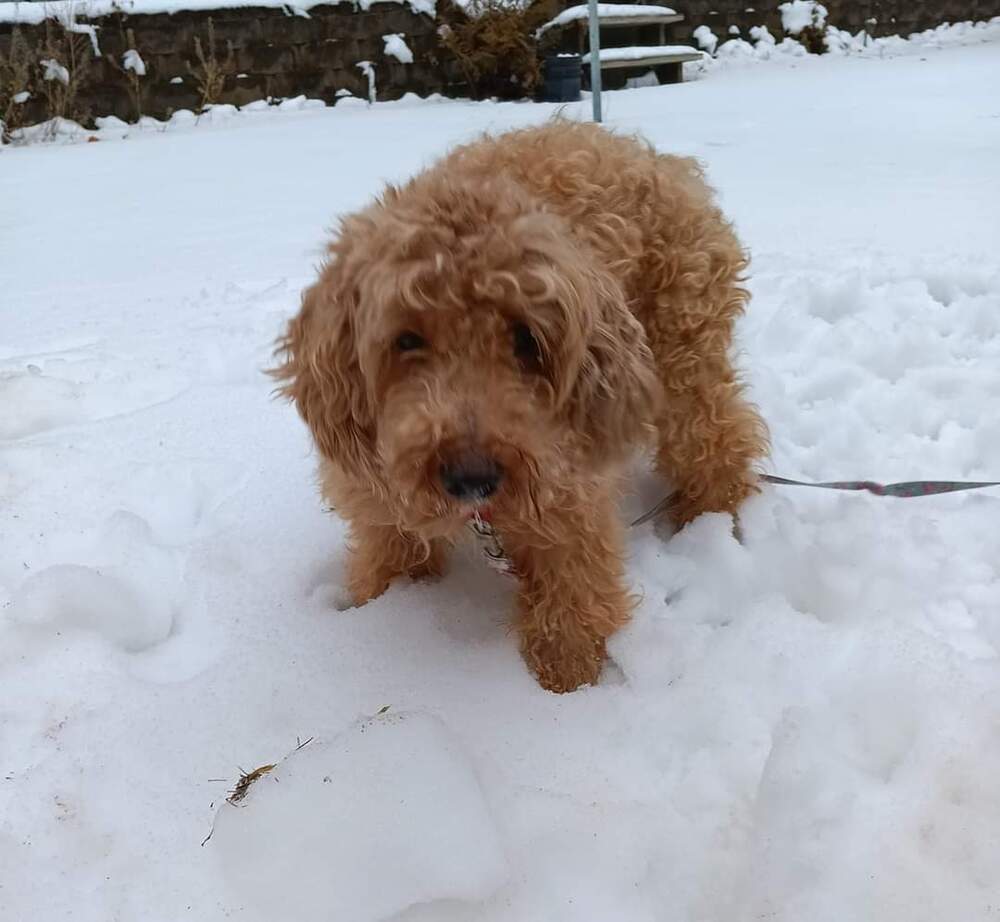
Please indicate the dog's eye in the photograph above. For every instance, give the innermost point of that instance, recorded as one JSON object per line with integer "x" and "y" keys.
{"x": 408, "y": 341}
{"x": 526, "y": 348}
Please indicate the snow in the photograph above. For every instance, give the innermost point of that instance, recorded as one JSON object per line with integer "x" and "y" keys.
{"x": 839, "y": 41}
{"x": 132, "y": 61}
{"x": 54, "y": 71}
{"x": 283, "y": 851}
{"x": 647, "y": 79}
{"x": 112, "y": 123}
{"x": 582, "y": 11}
{"x": 706, "y": 39}
{"x": 737, "y": 52}
{"x": 76, "y": 598}
{"x": 21, "y": 97}
{"x": 801, "y": 726}
{"x": 641, "y": 52}
{"x": 396, "y": 47}
{"x": 762, "y": 35}
{"x": 296, "y": 103}
{"x": 797, "y": 15}
{"x": 32, "y": 12}
{"x": 71, "y": 25}
{"x": 368, "y": 69}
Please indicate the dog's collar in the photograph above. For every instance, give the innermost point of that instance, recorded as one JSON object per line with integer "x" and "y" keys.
{"x": 489, "y": 542}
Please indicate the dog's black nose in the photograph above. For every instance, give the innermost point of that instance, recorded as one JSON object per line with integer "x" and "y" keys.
{"x": 471, "y": 478}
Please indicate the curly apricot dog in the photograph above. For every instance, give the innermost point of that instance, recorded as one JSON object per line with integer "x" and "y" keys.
{"x": 500, "y": 335}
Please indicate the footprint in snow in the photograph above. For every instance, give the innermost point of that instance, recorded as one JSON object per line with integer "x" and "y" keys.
{"x": 131, "y": 598}
{"x": 70, "y": 596}
{"x": 42, "y": 392}
{"x": 31, "y": 403}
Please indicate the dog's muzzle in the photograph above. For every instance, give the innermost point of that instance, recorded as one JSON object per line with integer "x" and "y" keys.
{"x": 471, "y": 477}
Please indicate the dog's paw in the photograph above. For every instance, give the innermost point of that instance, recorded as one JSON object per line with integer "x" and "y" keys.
{"x": 364, "y": 585}
{"x": 341, "y": 598}
{"x": 561, "y": 667}
{"x": 332, "y": 596}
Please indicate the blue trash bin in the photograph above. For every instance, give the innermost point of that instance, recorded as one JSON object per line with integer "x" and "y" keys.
{"x": 562, "y": 78}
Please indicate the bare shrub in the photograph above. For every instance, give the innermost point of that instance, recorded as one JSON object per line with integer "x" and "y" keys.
{"x": 64, "y": 59}
{"x": 495, "y": 48}
{"x": 133, "y": 69}
{"x": 17, "y": 83}
{"x": 210, "y": 74}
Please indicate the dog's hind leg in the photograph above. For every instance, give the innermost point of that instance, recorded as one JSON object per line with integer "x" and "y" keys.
{"x": 710, "y": 437}
{"x": 689, "y": 294}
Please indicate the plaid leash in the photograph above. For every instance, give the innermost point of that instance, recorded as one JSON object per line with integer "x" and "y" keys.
{"x": 904, "y": 490}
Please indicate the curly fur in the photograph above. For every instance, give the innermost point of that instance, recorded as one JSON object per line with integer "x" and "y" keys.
{"x": 629, "y": 279}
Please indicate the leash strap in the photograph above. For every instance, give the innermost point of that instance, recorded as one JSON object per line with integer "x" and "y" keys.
{"x": 904, "y": 490}
{"x": 493, "y": 551}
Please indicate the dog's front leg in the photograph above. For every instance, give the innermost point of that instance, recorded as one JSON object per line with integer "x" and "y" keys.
{"x": 379, "y": 550}
{"x": 380, "y": 553}
{"x": 572, "y": 594}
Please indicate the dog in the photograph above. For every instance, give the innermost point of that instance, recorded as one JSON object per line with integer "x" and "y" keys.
{"x": 499, "y": 337}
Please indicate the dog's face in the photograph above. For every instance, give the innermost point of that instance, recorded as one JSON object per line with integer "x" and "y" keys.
{"x": 461, "y": 352}
{"x": 466, "y": 376}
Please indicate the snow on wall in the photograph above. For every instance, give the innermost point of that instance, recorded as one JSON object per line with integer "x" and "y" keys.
{"x": 368, "y": 69}
{"x": 55, "y": 71}
{"x": 396, "y": 47}
{"x": 133, "y": 61}
{"x": 797, "y": 15}
{"x": 706, "y": 39}
{"x": 71, "y": 25}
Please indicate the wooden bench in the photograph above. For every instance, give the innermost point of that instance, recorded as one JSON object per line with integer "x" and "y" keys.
{"x": 666, "y": 60}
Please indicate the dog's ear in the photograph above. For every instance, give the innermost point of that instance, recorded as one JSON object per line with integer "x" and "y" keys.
{"x": 319, "y": 371}
{"x": 616, "y": 392}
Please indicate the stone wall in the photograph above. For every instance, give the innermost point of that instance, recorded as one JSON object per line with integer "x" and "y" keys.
{"x": 258, "y": 52}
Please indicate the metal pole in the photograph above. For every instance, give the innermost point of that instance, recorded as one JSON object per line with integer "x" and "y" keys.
{"x": 595, "y": 59}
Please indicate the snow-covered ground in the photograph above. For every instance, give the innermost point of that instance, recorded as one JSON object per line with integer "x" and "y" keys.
{"x": 802, "y": 727}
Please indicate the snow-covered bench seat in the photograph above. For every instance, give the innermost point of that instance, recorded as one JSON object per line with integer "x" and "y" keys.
{"x": 651, "y": 55}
